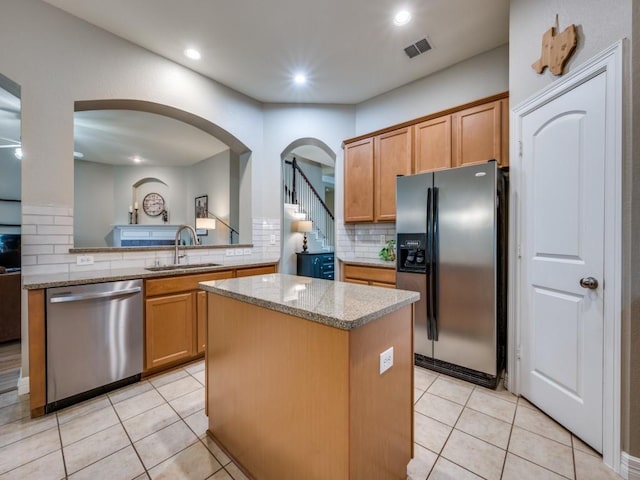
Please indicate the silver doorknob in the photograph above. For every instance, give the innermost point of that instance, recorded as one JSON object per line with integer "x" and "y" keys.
{"x": 589, "y": 282}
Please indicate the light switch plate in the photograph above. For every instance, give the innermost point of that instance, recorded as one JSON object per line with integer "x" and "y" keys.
{"x": 247, "y": 251}
{"x": 238, "y": 251}
{"x": 84, "y": 260}
{"x": 229, "y": 252}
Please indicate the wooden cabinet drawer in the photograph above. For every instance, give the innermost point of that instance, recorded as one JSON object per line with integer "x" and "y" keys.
{"x": 247, "y": 272}
{"x": 369, "y": 274}
{"x": 183, "y": 283}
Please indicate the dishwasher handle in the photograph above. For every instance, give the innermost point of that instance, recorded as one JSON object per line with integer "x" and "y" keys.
{"x": 66, "y": 297}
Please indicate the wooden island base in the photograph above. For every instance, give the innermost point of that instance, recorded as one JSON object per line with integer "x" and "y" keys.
{"x": 290, "y": 398}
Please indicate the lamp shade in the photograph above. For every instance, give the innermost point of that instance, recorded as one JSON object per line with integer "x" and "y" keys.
{"x": 304, "y": 226}
{"x": 205, "y": 223}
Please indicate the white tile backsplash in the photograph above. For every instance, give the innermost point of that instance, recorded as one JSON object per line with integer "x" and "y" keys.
{"x": 363, "y": 240}
{"x": 47, "y": 236}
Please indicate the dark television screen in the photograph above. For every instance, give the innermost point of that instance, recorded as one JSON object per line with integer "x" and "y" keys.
{"x": 10, "y": 250}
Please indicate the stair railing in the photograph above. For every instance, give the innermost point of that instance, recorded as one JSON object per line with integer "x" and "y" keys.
{"x": 299, "y": 190}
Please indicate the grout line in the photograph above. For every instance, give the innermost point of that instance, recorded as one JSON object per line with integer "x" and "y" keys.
{"x": 541, "y": 466}
{"x": 64, "y": 461}
{"x": 128, "y": 436}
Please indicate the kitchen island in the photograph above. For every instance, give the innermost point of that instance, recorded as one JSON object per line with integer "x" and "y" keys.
{"x": 293, "y": 380}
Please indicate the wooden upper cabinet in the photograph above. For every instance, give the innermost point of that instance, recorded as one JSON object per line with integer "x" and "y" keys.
{"x": 358, "y": 181}
{"x": 392, "y": 157}
{"x": 477, "y": 134}
{"x": 432, "y": 145}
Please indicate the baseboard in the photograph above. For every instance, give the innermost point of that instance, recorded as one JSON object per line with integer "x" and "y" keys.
{"x": 629, "y": 467}
{"x": 23, "y": 384}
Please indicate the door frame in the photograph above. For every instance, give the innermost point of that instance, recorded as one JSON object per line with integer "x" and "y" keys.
{"x": 611, "y": 62}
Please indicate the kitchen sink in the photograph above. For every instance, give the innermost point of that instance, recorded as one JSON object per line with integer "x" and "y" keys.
{"x": 182, "y": 267}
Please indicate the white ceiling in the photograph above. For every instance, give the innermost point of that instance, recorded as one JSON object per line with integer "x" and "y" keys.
{"x": 115, "y": 136}
{"x": 349, "y": 49}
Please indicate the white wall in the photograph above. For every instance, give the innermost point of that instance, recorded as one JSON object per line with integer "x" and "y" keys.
{"x": 599, "y": 24}
{"x": 480, "y": 76}
{"x": 94, "y": 204}
{"x": 284, "y": 124}
{"x": 213, "y": 177}
{"x": 103, "y": 194}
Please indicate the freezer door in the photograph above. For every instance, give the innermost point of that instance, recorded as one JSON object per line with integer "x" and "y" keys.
{"x": 411, "y": 202}
{"x": 417, "y": 282}
{"x": 466, "y": 253}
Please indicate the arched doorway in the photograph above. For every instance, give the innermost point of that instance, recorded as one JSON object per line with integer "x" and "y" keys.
{"x": 10, "y": 234}
{"x": 308, "y": 173}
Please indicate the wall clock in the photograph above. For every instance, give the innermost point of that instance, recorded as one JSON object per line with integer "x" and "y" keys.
{"x": 153, "y": 204}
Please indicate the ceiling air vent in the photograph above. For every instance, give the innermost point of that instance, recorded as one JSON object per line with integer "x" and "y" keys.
{"x": 417, "y": 48}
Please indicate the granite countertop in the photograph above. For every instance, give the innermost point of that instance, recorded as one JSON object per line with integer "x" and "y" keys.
{"x": 369, "y": 262}
{"x": 32, "y": 282}
{"x": 336, "y": 304}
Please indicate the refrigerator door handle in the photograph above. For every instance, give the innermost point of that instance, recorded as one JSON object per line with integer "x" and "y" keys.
{"x": 428, "y": 264}
{"x": 435, "y": 234}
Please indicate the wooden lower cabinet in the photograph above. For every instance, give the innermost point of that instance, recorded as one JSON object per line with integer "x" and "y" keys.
{"x": 366, "y": 275}
{"x": 170, "y": 329}
{"x": 175, "y": 316}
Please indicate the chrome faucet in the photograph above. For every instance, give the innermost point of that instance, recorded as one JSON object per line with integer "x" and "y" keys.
{"x": 176, "y": 256}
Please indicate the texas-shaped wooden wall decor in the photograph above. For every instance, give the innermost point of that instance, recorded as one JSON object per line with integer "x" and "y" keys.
{"x": 556, "y": 49}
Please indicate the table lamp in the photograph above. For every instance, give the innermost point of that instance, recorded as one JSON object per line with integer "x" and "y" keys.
{"x": 304, "y": 226}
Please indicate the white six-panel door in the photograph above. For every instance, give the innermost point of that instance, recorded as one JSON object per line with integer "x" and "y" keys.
{"x": 563, "y": 198}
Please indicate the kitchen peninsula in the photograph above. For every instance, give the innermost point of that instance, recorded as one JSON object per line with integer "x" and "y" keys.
{"x": 293, "y": 380}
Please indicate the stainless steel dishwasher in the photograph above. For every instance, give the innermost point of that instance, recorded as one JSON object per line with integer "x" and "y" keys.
{"x": 94, "y": 340}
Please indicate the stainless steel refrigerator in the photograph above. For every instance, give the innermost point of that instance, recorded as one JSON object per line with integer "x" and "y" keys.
{"x": 451, "y": 238}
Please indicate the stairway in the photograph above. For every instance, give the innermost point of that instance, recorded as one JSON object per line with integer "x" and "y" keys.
{"x": 299, "y": 191}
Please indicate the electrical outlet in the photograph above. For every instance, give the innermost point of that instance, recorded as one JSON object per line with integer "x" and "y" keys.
{"x": 247, "y": 251}
{"x": 386, "y": 360}
{"x": 272, "y": 239}
{"x": 84, "y": 260}
{"x": 229, "y": 252}
{"x": 238, "y": 251}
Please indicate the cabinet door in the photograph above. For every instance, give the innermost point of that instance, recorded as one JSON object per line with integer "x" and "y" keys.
{"x": 170, "y": 324}
{"x": 358, "y": 181}
{"x": 201, "y": 317}
{"x": 392, "y": 153}
{"x": 432, "y": 149}
{"x": 477, "y": 134}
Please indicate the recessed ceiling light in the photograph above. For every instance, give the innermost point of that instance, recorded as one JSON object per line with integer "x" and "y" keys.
{"x": 192, "y": 53}
{"x": 136, "y": 159}
{"x": 402, "y": 18}
{"x": 78, "y": 155}
{"x": 300, "y": 79}
{"x": 18, "y": 153}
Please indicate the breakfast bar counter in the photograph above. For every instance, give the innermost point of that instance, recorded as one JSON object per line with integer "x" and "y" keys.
{"x": 293, "y": 380}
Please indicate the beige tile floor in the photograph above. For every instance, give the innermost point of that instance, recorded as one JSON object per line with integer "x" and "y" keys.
{"x": 156, "y": 429}
{"x": 463, "y": 431}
